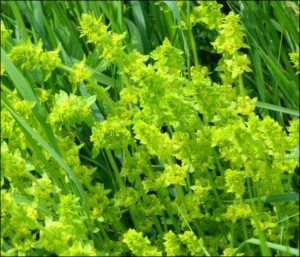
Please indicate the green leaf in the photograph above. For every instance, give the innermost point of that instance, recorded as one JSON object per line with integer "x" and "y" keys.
{"x": 277, "y": 108}
{"x": 278, "y": 247}
{"x": 136, "y": 39}
{"x": 275, "y": 198}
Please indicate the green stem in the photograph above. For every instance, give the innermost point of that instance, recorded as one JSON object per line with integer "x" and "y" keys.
{"x": 232, "y": 236}
{"x": 132, "y": 209}
{"x": 157, "y": 225}
{"x": 155, "y": 220}
{"x": 245, "y": 235}
{"x": 163, "y": 194}
{"x": 213, "y": 186}
{"x": 145, "y": 196}
{"x": 103, "y": 232}
{"x": 114, "y": 168}
{"x": 241, "y": 86}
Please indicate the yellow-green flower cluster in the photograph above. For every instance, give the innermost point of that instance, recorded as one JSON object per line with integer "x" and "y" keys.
{"x": 5, "y": 33}
{"x": 98, "y": 34}
{"x": 80, "y": 73}
{"x": 237, "y": 65}
{"x": 168, "y": 58}
{"x": 172, "y": 175}
{"x": 229, "y": 41}
{"x": 80, "y": 249}
{"x": 50, "y": 60}
{"x": 127, "y": 197}
{"x": 235, "y": 182}
{"x": 111, "y": 134}
{"x": 192, "y": 243}
{"x": 237, "y": 211}
{"x": 172, "y": 244}
{"x": 231, "y": 35}
{"x": 295, "y": 60}
{"x": 14, "y": 167}
{"x": 28, "y": 56}
{"x": 41, "y": 188}
{"x": 149, "y": 136}
{"x": 139, "y": 245}
{"x": 19, "y": 224}
{"x": 70, "y": 110}
{"x": 207, "y": 12}
{"x": 55, "y": 236}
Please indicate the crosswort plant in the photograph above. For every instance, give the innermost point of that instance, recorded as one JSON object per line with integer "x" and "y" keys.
{"x": 165, "y": 159}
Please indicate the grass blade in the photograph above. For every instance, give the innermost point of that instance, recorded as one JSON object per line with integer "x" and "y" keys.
{"x": 277, "y": 108}
{"x": 139, "y": 20}
{"x": 136, "y": 38}
{"x": 278, "y": 247}
{"x": 276, "y": 198}
{"x": 20, "y": 23}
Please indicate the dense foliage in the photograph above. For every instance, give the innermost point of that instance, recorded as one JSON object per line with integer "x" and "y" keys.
{"x": 166, "y": 157}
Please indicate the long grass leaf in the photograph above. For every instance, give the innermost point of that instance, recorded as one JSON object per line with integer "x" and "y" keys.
{"x": 139, "y": 21}
{"x": 278, "y": 247}
{"x": 277, "y": 108}
{"x": 135, "y": 36}
{"x": 275, "y": 198}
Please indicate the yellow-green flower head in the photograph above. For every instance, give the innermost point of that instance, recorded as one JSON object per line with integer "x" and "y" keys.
{"x": 79, "y": 249}
{"x": 294, "y": 133}
{"x": 50, "y": 60}
{"x": 68, "y": 208}
{"x": 200, "y": 75}
{"x": 92, "y": 28}
{"x": 231, "y": 35}
{"x": 70, "y": 110}
{"x": 9, "y": 128}
{"x": 295, "y": 60}
{"x": 237, "y": 65}
{"x": 5, "y": 33}
{"x": 42, "y": 188}
{"x": 149, "y": 135}
{"x": 111, "y": 134}
{"x": 172, "y": 244}
{"x": 23, "y": 219}
{"x": 237, "y": 211}
{"x": 135, "y": 66}
{"x": 26, "y": 55}
{"x": 127, "y": 197}
{"x": 168, "y": 57}
{"x": 208, "y": 12}
{"x": 235, "y": 180}
{"x": 173, "y": 175}
{"x": 98, "y": 34}
{"x": 192, "y": 243}
{"x": 55, "y": 236}
{"x": 139, "y": 245}
{"x": 14, "y": 167}
{"x": 200, "y": 190}
{"x": 80, "y": 73}
{"x": 42, "y": 94}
